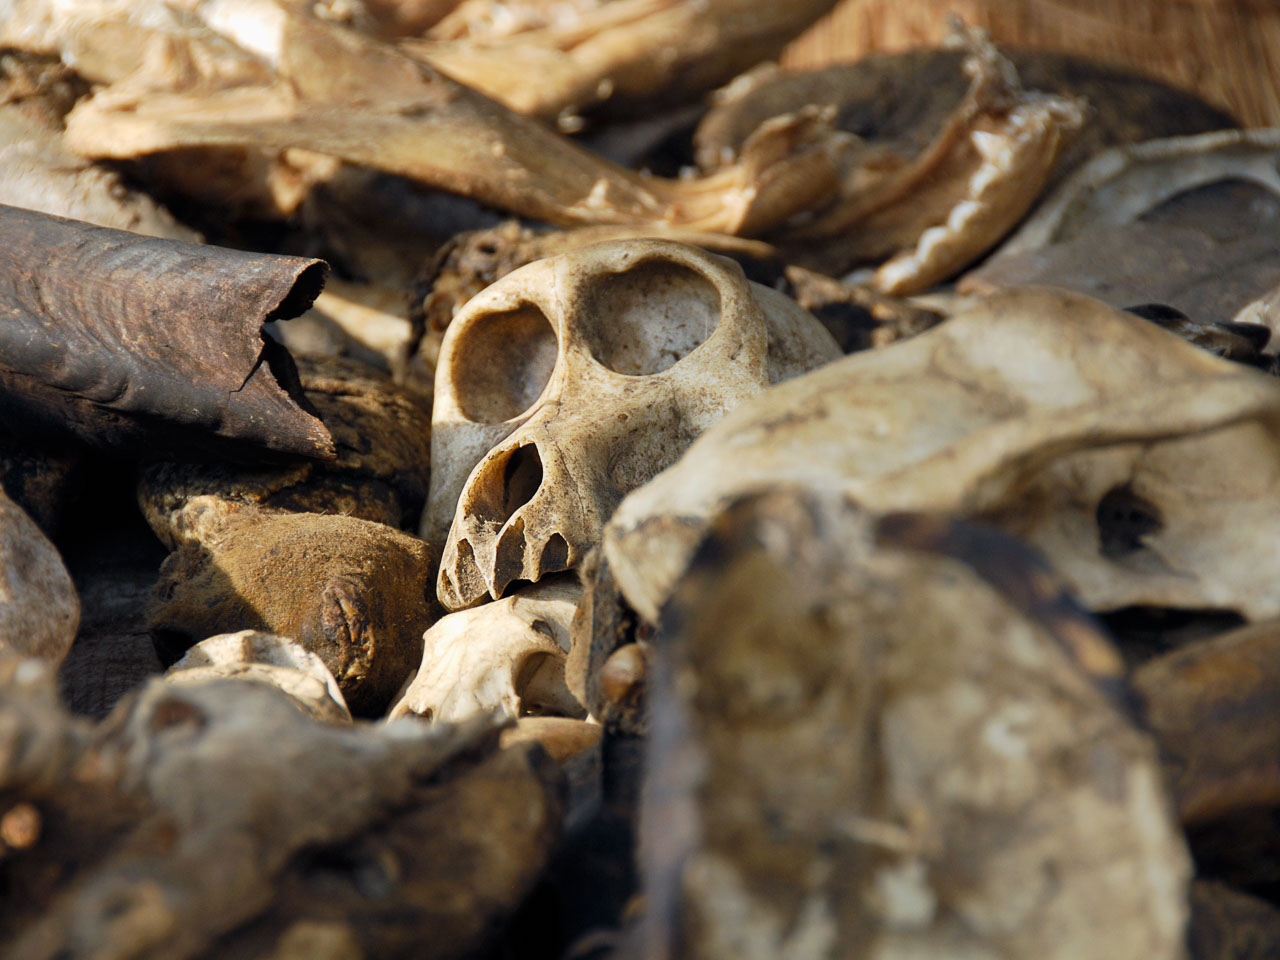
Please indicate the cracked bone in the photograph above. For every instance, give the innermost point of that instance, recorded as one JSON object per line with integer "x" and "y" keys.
{"x": 575, "y": 379}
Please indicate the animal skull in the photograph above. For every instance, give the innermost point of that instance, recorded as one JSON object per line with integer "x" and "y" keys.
{"x": 574, "y": 380}
{"x": 1144, "y": 468}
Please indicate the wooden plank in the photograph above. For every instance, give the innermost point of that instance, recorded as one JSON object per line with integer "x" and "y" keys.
{"x": 1227, "y": 51}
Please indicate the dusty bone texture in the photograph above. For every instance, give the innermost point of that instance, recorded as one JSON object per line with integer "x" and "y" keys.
{"x": 1210, "y": 706}
{"x": 574, "y": 380}
{"x": 38, "y": 173}
{"x": 381, "y": 434}
{"x": 352, "y": 592}
{"x": 203, "y": 849}
{"x": 271, "y": 78}
{"x": 624, "y": 56}
{"x": 884, "y": 750}
{"x": 471, "y": 261}
{"x": 935, "y": 209}
{"x": 503, "y": 657}
{"x": 265, "y": 658}
{"x": 92, "y": 349}
{"x": 1142, "y": 466}
{"x": 1184, "y": 221}
{"x": 39, "y": 608}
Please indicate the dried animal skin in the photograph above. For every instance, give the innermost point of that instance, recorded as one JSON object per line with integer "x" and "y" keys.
{"x": 39, "y": 480}
{"x": 1209, "y": 706}
{"x": 1227, "y": 924}
{"x": 938, "y": 210}
{"x": 352, "y": 592}
{"x": 900, "y": 100}
{"x": 575, "y": 379}
{"x": 883, "y": 752}
{"x": 1143, "y": 467}
{"x": 220, "y": 855}
{"x": 381, "y": 433}
{"x": 503, "y": 657}
{"x": 91, "y": 348}
{"x": 627, "y": 54}
{"x": 39, "y": 609}
{"x": 265, "y": 658}
{"x": 335, "y": 92}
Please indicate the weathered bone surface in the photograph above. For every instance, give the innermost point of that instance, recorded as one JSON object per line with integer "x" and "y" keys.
{"x": 381, "y": 433}
{"x": 625, "y": 54}
{"x": 574, "y": 380}
{"x": 39, "y": 609}
{"x": 265, "y": 658}
{"x": 471, "y": 261}
{"x": 1184, "y": 221}
{"x": 505, "y": 657}
{"x": 352, "y": 592}
{"x": 264, "y": 75}
{"x": 1145, "y": 468}
{"x": 173, "y": 833}
{"x": 90, "y": 345}
{"x": 38, "y": 173}
{"x": 1120, "y": 185}
{"x": 885, "y": 749}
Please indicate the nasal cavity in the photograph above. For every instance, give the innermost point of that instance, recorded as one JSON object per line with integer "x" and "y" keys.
{"x": 1124, "y": 520}
{"x": 521, "y": 477}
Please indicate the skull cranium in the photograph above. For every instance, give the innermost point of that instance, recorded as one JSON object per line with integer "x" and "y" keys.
{"x": 574, "y": 380}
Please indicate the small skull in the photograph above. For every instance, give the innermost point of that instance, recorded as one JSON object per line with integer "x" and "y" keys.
{"x": 575, "y": 379}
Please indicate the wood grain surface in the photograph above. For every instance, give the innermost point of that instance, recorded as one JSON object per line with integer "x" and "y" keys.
{"x": 1227, "y": 51}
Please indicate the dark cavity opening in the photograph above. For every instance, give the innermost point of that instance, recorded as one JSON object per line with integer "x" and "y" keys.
{"x": 1124, "y": 519}
{"x": 501, "y": 362}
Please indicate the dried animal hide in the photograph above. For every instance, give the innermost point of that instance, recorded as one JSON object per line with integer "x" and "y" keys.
{"x": 1187, "y": 222}
{"x": 295, "y": 81}
{"x": 39, "y": 609}
{"x": 884, "y": 748}
{"x": 628, "y": 55}
{"x": 352, "y": 592}
{"x": 382, "y": 435}
{"x": 935, "y": 210}
{"x": 40, "y": 480}
{"x": 265, "y": 658}
{"x": 505, "y": 657}
{"x": 1227, "y": 924}
{"x": 900, "y": 101}
{"x": 181, "y": 831}
{"x": 1209, "y": 705}
{"x": 133, "y": 343}
{"x": 574, "y": 380}
{"x": 1143, "y": 467}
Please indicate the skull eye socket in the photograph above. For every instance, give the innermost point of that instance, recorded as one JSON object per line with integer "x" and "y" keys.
{"x": 650, "y": 317}
{"x": 501, "y": 362}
